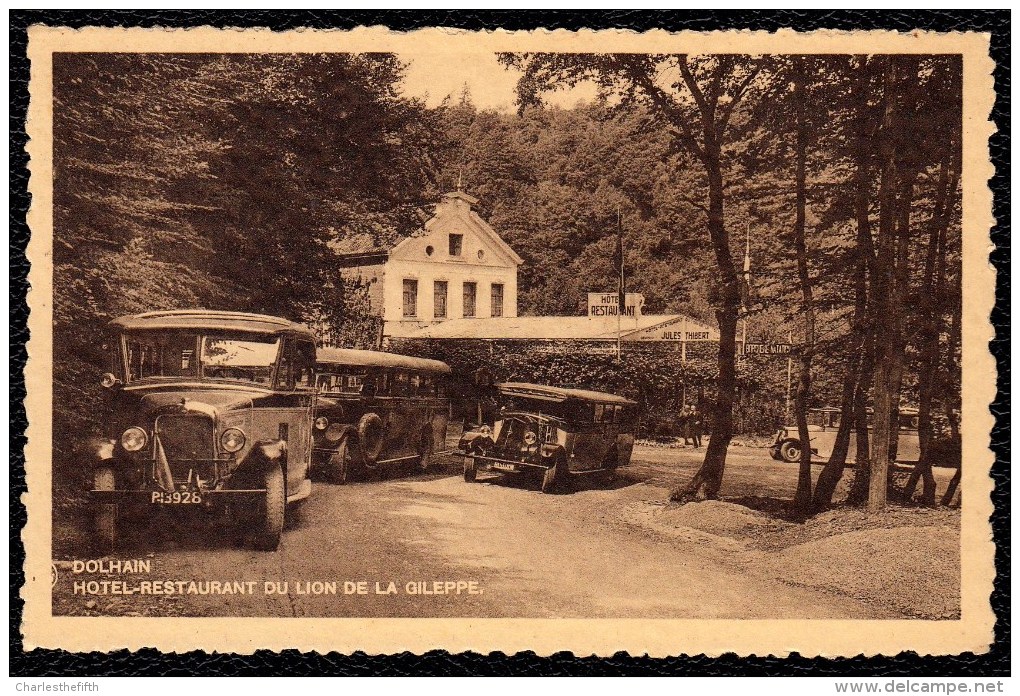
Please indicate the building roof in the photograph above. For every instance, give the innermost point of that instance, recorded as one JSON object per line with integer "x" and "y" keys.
{"x": 548, "y": 328}
{"x": 375, "y": 358}
{"x": 209, "y": 319}
{"x": 547, "y": 393}
{"x": 363, "y": 250}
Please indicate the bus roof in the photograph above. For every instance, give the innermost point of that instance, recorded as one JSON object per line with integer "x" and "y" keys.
{"x": 547, "y": 393}
{"x": 376, "y": 358}
{"x": 210, "y": 319}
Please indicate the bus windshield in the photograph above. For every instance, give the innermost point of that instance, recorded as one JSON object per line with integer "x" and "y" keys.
{"x": 176, "y": 354}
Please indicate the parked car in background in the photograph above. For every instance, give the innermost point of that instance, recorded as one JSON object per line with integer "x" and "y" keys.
{"x": 377, "y": 408}
{"x": 211, "y": 410}
{"x": 823, "y": 423}
{"x": 551, "y": 432}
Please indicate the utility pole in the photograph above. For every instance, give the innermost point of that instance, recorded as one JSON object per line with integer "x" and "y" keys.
{"x": 789, "y": 381}
{"x": 746, "y": 295}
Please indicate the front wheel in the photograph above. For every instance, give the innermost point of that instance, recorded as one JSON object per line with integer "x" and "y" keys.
{"x": 470, "y": 469}
{"x": 341, "y": 463}
{"x": 106, "y": 514}
{"x": 555, "y": 477}
{"x": 789, "y": 451}
{"x": 269, "y": 529}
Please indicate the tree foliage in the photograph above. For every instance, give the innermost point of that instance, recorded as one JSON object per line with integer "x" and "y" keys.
{"x": 220, "y": 181}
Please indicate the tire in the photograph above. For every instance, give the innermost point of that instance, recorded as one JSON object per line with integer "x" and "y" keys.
{"x": 341, "y": 465}
{"x": 470, "y": 469}
{"x": 106, "y": 514}
{"x": 426, "y": 446}
{"x": 266, "y": 536}
{"x": 789, "y": 451}
{"x": 371, "y": 433}
{"x": 555, "y": 477}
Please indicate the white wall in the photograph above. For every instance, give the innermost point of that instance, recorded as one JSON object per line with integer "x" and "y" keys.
{"x": 456, "y": 274}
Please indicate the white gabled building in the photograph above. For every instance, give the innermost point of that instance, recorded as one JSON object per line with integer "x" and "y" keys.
{"x": 457, "y": 268}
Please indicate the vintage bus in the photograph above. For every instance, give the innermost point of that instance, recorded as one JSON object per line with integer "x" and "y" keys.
{"x": 551, "y": 432}
{"x": 210, "y": 411}
{"x": 376, "y": 409}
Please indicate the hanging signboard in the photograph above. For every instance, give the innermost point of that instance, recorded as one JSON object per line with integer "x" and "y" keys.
{"x": 679, "y": 329}
{"x": 607, "y": 304}
{"x": 783, "y": 349}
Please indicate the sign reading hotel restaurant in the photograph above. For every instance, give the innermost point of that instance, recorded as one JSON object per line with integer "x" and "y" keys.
{"x": 679, "y": 329}
{"x": 607, "y": 304}
{"x": 767, "y": 349}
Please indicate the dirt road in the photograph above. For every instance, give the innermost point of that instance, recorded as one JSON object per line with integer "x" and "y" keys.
{"x": 528, "y": 555}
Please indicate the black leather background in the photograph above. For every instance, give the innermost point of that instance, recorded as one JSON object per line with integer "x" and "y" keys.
{"x": 149, "y": 662}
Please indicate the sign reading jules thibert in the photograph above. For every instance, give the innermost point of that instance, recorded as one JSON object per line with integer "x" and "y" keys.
{"x": 607, "y": 304}
{"x": 678, "y": 329}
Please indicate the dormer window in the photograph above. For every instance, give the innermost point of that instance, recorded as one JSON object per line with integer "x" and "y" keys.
{"x": 456, "y": 244}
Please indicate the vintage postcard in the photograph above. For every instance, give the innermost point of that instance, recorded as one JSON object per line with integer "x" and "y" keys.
{"x": 595, "y": 341}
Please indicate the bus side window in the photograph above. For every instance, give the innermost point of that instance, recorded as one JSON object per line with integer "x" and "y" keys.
{"x": 284, "y": 367}
{"x": 401, "y": 385}
{"x": 382, "y": 382}
{"x": 304, "y": 365}
{"x": 415, "y": 383}
{"x": 428, "y": 386}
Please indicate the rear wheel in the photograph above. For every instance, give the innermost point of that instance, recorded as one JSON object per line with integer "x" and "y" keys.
{"x": 790, "y": 451}
{"x": 341, "y": 463}
{"x": 470, "y": 469}
{"x": 106, "y": 514}
{"x": 270, "y": 527}
{"x": 555, "y": 477}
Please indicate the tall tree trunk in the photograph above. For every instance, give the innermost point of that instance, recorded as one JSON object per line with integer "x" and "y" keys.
{"x": 708, "y": 480}
{"x": 832, "y": 472}
{"x": 802, "y": 499}
{"x": 932, "y": 312}
{"x": 883, "y": 283}
{"x": 862, "y": 466}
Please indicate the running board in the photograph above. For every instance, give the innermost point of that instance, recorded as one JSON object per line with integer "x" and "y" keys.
{"x": 397, "y": 459}
{"x": 303, "y": 491}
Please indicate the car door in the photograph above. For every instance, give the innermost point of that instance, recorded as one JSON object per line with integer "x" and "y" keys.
{"x": 296, "y": 385}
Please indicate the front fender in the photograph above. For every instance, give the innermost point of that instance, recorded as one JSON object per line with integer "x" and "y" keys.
{"x": 475, "y": 442}
{"x": 98, "y": 450}
{"x": 552, "y": 452}
{"x": 263, "y": 454}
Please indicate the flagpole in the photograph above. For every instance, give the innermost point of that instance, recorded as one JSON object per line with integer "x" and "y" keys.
{"x": 621, "y": 297}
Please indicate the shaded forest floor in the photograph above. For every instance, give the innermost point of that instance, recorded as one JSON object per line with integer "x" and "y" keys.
{"x": 907, "y": 559}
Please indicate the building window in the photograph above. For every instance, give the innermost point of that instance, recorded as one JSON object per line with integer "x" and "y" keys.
{"x": 456, "y": 244}
{"x": 497, "y": 299}
{"x": 470, "y": 295}
{"x": 439, "y": 299}
{"x": 410, "y": 298}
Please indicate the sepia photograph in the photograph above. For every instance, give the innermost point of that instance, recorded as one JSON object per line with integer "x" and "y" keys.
{"x": 367, "y": 325}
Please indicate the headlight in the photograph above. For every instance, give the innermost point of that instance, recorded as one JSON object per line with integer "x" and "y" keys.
{"x": 232, "y": 440}
{"x": 485, "y": 430}
{"x": 530, "y": 438}
{"x": 109, "y": 380}
{"x": 133, "y": 439}
{"x": 321, "y": 423}
{"x": 334, "y": 432}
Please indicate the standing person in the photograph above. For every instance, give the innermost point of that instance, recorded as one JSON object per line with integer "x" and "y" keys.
{"x": 694, "y": 419}
{"x": 684, "y": 421}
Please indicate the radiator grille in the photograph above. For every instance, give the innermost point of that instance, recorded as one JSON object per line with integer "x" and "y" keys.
{"x": 186, "y": 439}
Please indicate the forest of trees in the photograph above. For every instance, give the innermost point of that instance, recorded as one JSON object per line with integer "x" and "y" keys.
{"x": 229, "y": 181}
